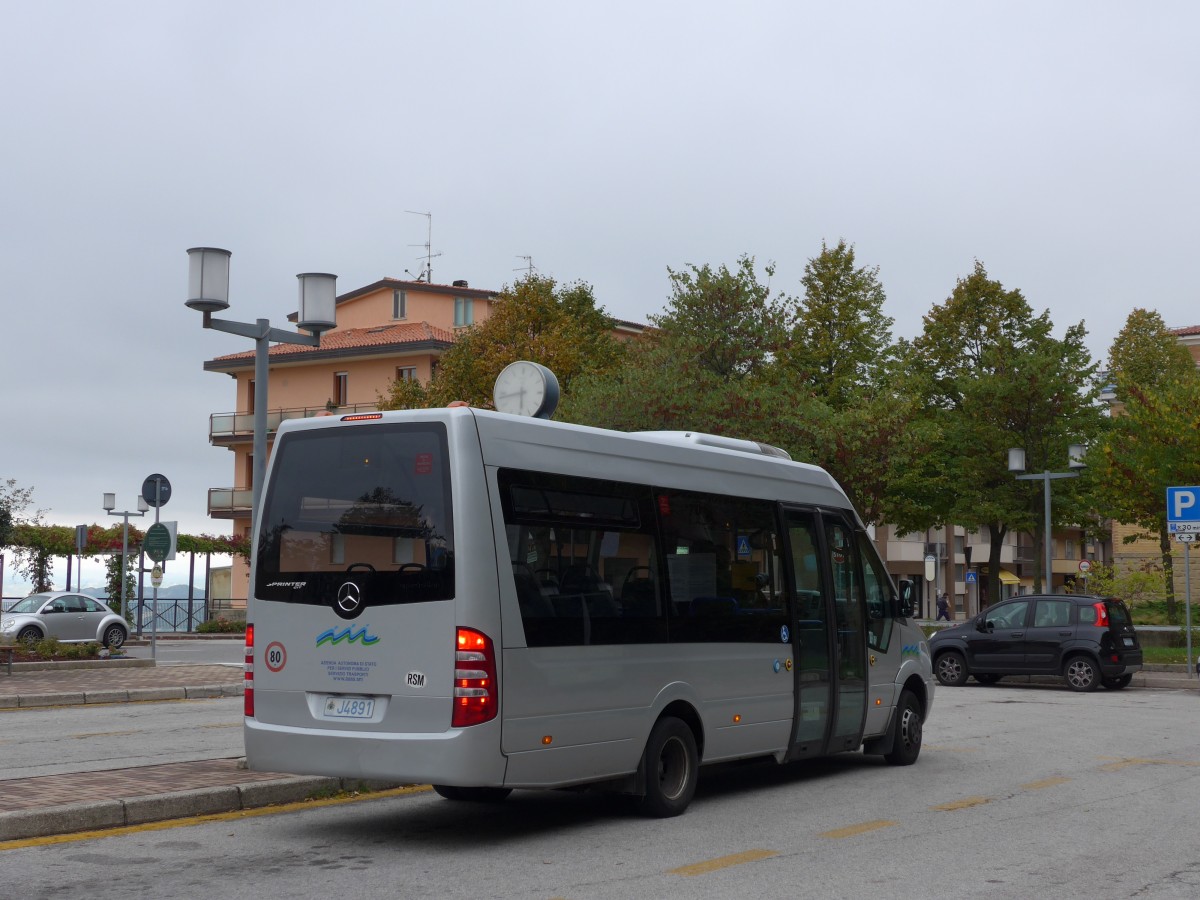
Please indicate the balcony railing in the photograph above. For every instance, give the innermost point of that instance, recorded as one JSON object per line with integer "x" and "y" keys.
{"x": 229, "y": 503}
{"x": 234, "y": 427}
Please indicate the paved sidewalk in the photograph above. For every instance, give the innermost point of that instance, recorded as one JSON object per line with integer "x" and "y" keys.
{"x": 61, "y": 804}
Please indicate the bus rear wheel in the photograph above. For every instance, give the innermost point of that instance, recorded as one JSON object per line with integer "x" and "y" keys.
{"x": 670, "y": 765}
{"x": 472, "y": 794}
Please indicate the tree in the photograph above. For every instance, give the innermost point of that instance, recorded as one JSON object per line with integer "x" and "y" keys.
{"x": 14, "y": 501}
{"x": 991, "y": 376}
{"x": 1154, "y": 439}
{"x": 706, "y": 366}
{"x": 560, "y": 327}
{"x": 840, "y": 340}
{"x": 722, "y": 322}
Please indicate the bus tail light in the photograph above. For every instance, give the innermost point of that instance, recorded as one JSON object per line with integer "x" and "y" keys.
{"x": 248, "y": 683}
{"x": 474, "y": 678}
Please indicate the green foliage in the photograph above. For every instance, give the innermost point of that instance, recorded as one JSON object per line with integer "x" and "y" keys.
{"x": 537, "y": 319}
{"x": 989, "y": 375}
{"x": 112, "y": 584}
{"x": 840, "y": 341}
{"x": 221, "y": 625}
{"x": 722, "y": 323}
{"x": 1153, "y": 441}
{"x": 1137, "y": 587}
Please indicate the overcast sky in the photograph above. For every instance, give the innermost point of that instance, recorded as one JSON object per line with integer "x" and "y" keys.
{"x": 1056, "y": 142}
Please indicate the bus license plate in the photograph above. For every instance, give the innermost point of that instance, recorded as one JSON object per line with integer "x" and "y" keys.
{"x": 349, "y": 707}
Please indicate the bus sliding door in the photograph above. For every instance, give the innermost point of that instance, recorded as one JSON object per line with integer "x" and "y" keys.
{"x": 828, "y": 638}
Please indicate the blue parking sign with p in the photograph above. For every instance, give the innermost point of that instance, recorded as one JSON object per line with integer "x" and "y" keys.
{"x": 1183, "y": 505}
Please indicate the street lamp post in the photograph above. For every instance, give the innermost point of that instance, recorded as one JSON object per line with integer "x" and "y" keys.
{"x": 1016, "y": 463}
{"x": 208, "y": 292}
{"x": 110, "y": 504}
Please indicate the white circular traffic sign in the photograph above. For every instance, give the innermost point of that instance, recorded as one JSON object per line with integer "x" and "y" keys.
{"x": 1085, "y": 566}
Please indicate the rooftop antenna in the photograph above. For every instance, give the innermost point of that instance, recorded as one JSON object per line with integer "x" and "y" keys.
{"x": 528, "y": 267}
{"x": 427, "y": 269}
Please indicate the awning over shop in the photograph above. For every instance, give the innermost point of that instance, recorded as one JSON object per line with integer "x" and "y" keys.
{"x": 1008, "y": 577}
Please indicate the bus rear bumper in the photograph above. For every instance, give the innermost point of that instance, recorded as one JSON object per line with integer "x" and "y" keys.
{"x": 466, "y": 757}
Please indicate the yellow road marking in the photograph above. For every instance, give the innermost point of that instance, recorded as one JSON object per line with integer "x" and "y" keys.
{"x": 50, "y": 840}
{"x": 940, "y": 749}
{"x": 723, "y": 862}
{"x": 965, "y": 803}
{"x": 853, "y": 830}
{"x": 225, "y": 725}
{"x": 1044, "y": 783}
{"x": 97, "y": 734}
{"x": 1134, "y": 761}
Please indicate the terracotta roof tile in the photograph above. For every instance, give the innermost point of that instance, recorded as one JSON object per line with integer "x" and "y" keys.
{"x": 351, "y": 338}
{"x": 1188, "y": 330}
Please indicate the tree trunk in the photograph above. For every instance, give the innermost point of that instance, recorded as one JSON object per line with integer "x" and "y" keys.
{"x": 996, "y": 535}
{"x": 1168, "y": 562}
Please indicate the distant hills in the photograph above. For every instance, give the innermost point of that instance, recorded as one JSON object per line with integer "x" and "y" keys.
{"x": 169, "y": 592}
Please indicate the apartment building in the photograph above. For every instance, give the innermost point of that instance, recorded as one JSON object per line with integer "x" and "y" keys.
{"x": 387, "y": 330}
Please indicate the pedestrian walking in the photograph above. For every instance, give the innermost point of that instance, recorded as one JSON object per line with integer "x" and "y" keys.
{"x": 943, "y": 607}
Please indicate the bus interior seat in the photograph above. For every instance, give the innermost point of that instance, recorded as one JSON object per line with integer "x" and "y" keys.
{"x": 640, "y": 598}
{"x": 529, "y": 593}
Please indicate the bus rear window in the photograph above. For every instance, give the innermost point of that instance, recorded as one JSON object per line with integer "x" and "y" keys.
{"x": 367, "y": 501}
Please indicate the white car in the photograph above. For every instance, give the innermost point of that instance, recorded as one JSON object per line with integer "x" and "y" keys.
{"x": 70, "y": 618}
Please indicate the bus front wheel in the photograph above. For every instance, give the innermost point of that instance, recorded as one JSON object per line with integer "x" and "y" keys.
{"x": 906, "y": 744}
{"x": 670, "y": 764}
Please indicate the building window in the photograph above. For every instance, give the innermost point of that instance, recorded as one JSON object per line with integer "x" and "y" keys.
{"x": 250, "y": 396}
{"x": 960, "y": 544}
{"x": 960, "y": 572}
{"x": 341, "y": 388}
{"x": 406, "y": 373}
{"x": 464, "y": 312}
{"x": 1069, "y": 545}
{"x": 399, "y": 305}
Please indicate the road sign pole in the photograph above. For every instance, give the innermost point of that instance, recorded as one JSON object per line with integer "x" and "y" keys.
{"x": 1187, "y": 599}
{"x": 154, "y": 611}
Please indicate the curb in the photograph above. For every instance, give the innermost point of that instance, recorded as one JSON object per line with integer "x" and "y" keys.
{"x": 102, "y": 814}
{"x": 67, "y": 665}
{"x": 78, "y": 698}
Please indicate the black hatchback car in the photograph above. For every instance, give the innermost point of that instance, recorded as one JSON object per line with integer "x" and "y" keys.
{"x": 1089, "y": 641}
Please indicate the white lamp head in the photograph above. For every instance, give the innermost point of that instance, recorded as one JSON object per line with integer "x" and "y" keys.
{"x": 318, "y": 301}
{"x": 110, "y": 502}
{"x": 1016, "y": 459}
{"x": 208, "y": 279}
{"x": 1075, "y": 456}
{"x": 143, "y": 506}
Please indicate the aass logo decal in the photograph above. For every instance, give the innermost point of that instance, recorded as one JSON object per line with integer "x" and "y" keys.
{"x": 347, "y": 635}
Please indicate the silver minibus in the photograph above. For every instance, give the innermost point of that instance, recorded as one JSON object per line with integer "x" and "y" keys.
{"x": 483, "y": 601}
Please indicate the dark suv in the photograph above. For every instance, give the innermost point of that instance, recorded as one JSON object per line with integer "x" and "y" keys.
{"x": 1089, "y": 641}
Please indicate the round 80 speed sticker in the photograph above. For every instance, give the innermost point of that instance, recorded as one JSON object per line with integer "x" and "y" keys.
{"x": 276, "y": 656}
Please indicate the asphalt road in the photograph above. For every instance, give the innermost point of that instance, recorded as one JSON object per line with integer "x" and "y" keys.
{"x": 193, "y": 651}
{"x": 1021, "y": 791}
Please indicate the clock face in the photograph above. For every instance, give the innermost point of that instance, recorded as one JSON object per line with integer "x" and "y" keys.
{"x": 526, "y": 389}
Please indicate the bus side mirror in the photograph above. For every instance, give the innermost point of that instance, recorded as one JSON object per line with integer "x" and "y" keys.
{"x": 905, "y": 605}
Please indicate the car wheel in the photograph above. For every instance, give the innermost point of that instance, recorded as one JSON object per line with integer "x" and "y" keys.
{"x": 951, "y": 668}
{"x": 472, "y": 794}
{"x": 1082, "y": 673}
{"x": 906, "y": 743}
{"x": 29, "y": 635}
{"x": 987, "y": 679}
{"x": 114, "y": 636}
{"x": 670, "y": 764}
{"x": 1117, "y": 682}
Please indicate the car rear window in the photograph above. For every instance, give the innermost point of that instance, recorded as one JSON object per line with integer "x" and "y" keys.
{"x": 1118, "y": 613}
